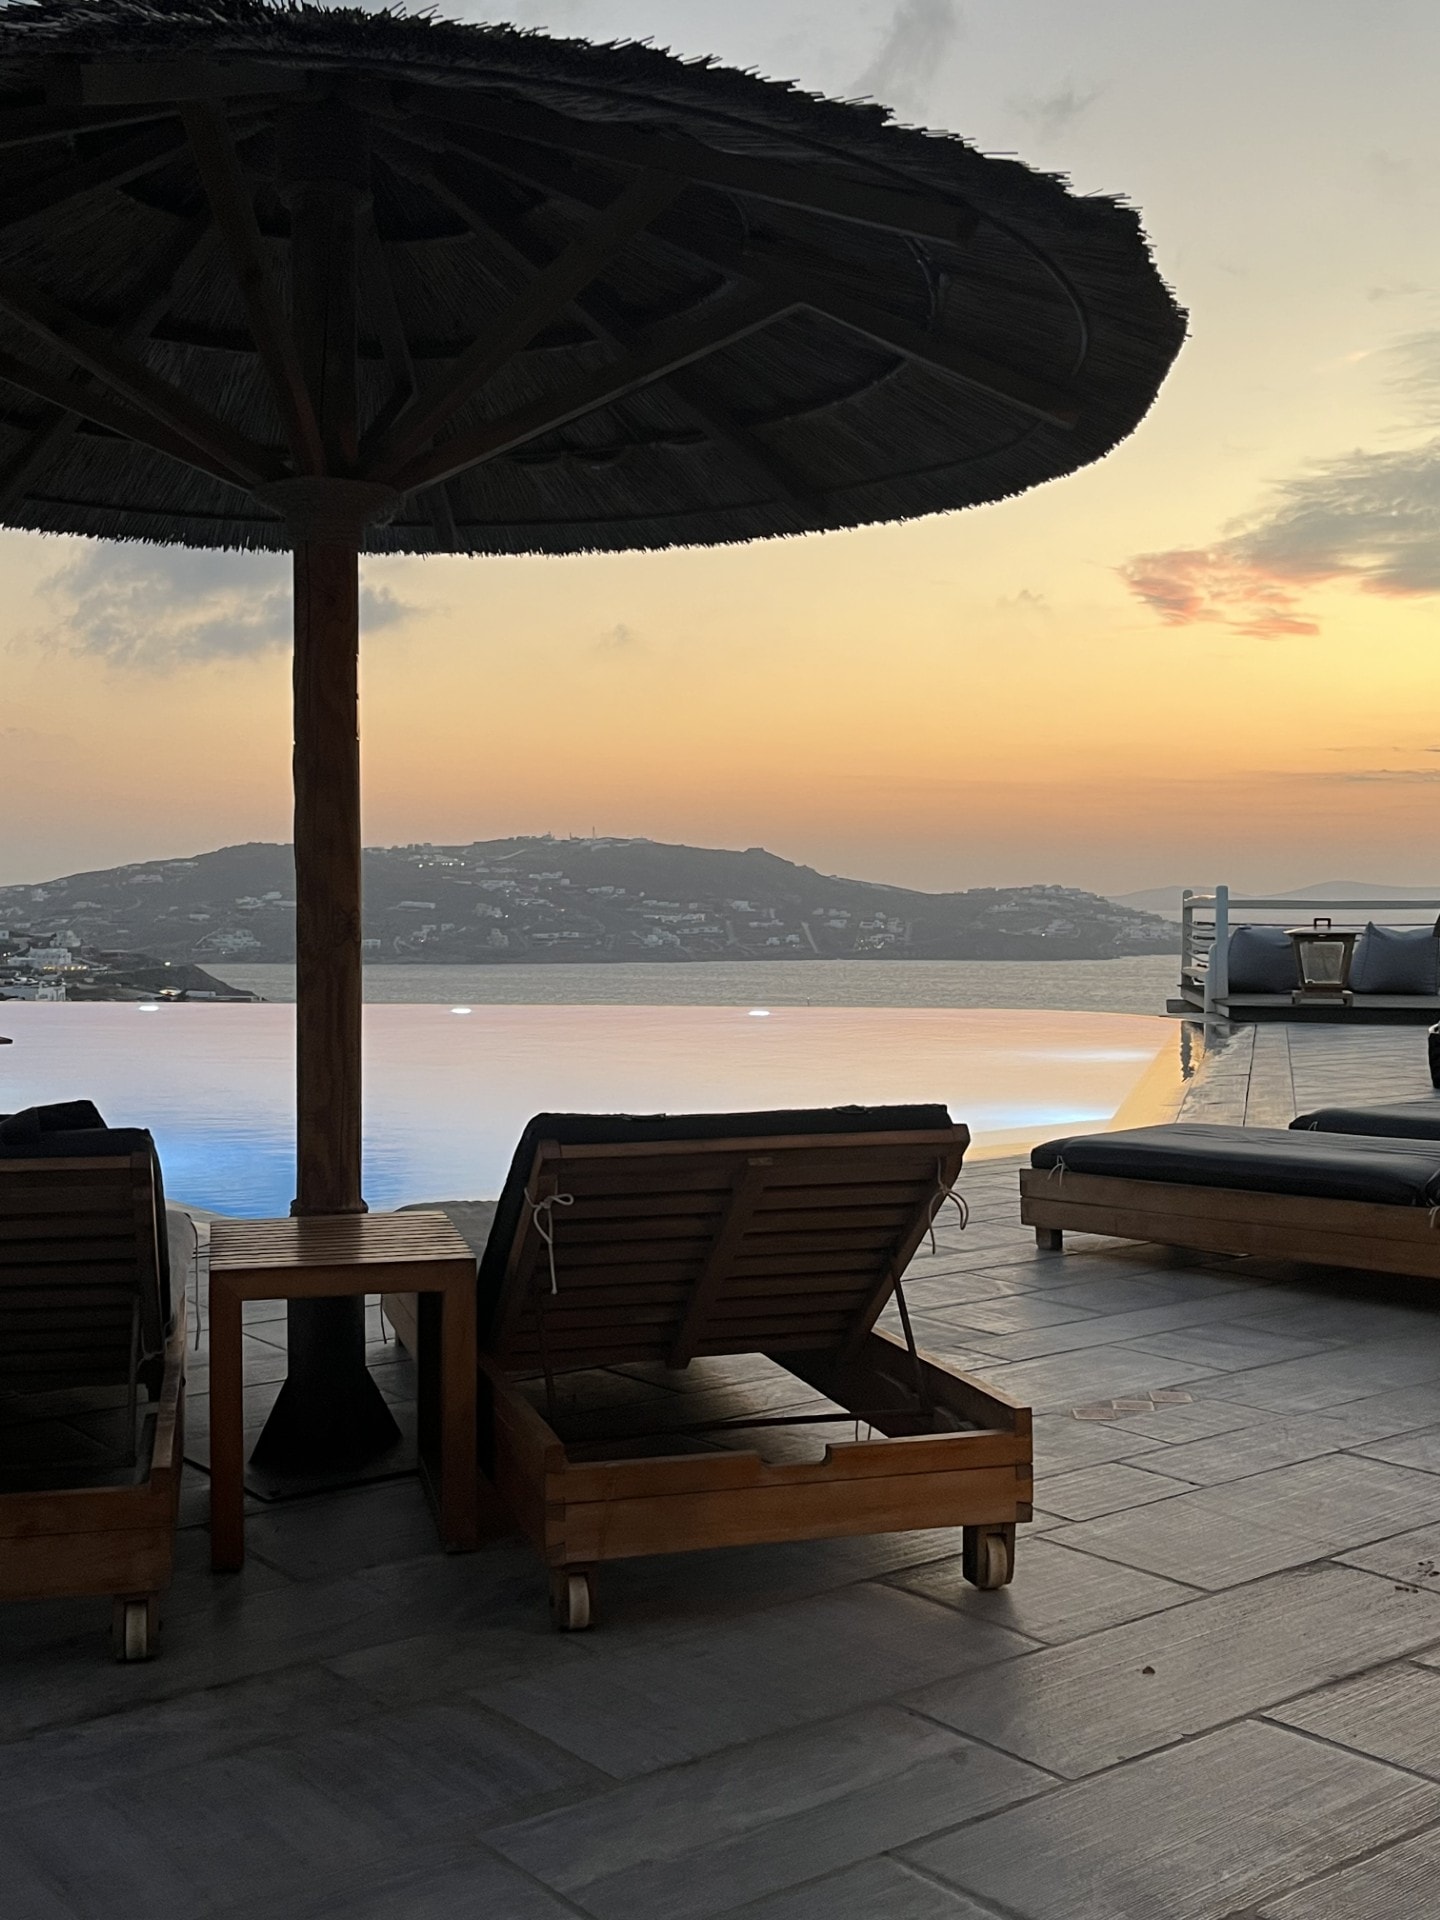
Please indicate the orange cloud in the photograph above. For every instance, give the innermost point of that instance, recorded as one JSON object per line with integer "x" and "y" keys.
{"x": 1372, "y": 519}
{"x": 1194, "y": 584}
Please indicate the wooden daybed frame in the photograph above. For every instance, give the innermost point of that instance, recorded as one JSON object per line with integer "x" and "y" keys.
{"x": 80, "y": 1238}
{"x": 1274, "y": 1226}
{"x": 787, "y": 1245}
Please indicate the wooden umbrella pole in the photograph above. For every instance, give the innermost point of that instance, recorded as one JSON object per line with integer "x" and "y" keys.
{"x": 327, "y": 519}
{"x": 327, "y": 878}
{"x": 330, "y": 1416}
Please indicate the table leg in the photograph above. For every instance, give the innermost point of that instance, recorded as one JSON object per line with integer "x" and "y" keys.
{"x": 227, "y": 1431}
{"x": 459, "y": 1523}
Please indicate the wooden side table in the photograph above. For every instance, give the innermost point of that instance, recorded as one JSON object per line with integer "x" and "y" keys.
{"x": 328, "y": 1254}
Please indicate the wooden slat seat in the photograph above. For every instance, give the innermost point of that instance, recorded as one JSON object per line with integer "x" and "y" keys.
{"x": 715, "y": 1234}
{"x": 85, "y": 1310}
{"x": 74, "y": 1304}
{"x": 627, "y": 1243}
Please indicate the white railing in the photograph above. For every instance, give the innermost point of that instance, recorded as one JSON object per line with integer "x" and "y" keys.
{"x": 1206, "y": 920}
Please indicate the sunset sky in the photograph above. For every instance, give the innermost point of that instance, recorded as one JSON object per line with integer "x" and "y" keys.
{"x": 1214, "y": 656}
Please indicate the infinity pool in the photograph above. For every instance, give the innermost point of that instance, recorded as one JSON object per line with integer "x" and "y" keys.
{"x": 448, "y": 1090}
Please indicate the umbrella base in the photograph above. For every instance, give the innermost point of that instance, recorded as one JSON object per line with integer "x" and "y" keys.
{"x": 330, "y": 1416}
{"x": 274, "y": 1489}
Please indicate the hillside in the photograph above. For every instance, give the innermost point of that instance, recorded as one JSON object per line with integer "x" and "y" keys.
{"x": 555, "y": 900}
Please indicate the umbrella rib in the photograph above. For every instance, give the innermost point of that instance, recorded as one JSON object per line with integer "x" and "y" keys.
{"x": 28, "y": 126}
{"x": 221, "y": 176}
{"x": 694, "y": 392}
{"x": 92, "y": 403}
{"x": 149, "y": 81}
{"x": 398, "y": 359}
{"x": 97, "y": 353}
{"x": 146, "y": 314}
{"x": 689, "y": 386}
{"x": 442, "y": 516}
{"x": 655, "y": 354}
{"x": 891, "y": 208}
{"x": 484, "y": 225}
{"x": 548, "y": 294}
{"x": 393, "y": 340}
{"x": 1046, "y": 399}
{"x": 697, "y": 395}
{"x": 144, "y": 154}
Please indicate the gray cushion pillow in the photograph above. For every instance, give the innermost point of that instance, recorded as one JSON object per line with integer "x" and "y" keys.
{"x": 1262, "y": 960}
{"x": 1396, "y": 960}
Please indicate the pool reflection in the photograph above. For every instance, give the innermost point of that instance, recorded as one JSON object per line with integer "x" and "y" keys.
{"x": 446, "y": 1097}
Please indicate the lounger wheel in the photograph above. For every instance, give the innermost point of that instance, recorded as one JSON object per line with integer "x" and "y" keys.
{"x": 135, "y": 1623}
{"x": 994, "y": 1568}
{"x": 570, "y": 1597}
{"x": 988, "y": 1559}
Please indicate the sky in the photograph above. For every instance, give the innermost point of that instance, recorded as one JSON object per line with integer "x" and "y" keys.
{"x": 1211, "y": 657}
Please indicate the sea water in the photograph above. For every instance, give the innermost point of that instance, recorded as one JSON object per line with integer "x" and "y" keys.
{"x": 1138, "y": 984}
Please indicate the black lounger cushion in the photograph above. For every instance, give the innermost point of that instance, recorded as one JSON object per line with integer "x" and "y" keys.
{"x": 1408, "y": 1120}
{"x": 1320, "y": 1166}
{"x": 624, "y": 1129}
{"x": 63, "y": 1116}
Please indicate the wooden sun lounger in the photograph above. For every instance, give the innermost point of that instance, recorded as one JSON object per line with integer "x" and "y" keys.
{"x": 1275, "y": 1226}
{"x": 776, "y": 1235}
{"x": 81, "y": 1309}
{"x": 1397, "y": 1234}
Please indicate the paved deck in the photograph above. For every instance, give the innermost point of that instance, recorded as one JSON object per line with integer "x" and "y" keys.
{"x": 1213, "y": 1690}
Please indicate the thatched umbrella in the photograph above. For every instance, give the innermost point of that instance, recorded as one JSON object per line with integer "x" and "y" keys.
{"x": 343, "y": 281}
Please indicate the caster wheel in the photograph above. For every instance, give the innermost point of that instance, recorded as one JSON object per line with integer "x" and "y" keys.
{"x": 993, "y": 1563}
{"x": 989, "y": 1558}
{"x": 570, "y": 1598}
{"x": 135, "y": 1626}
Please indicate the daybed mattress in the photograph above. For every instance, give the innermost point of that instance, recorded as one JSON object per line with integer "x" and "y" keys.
{"x": 1408, "y": 1119}
{"x": 1319, "y": 1165}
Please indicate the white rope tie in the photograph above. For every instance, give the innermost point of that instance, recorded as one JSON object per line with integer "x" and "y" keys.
{"x": 941, "y": 1195}
{"x": 1058, "y": 1171}
{"x": 540, "y": 1212}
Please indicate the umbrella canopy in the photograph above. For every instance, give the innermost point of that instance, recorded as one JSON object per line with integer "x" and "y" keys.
{"x": 337, "y": 280}
{"x": 602, "y": 298}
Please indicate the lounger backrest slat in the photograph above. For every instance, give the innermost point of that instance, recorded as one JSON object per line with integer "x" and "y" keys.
{"x": 751, "y": 1245}
{"x": 79, "y": 1275}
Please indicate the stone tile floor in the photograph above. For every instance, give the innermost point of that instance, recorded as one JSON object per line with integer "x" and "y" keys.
{"x": 1212, "y": 1692}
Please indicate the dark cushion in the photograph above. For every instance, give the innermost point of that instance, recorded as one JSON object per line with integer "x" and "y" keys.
{"x": 1396, "y": 960}
{"x": 1323, "y": 1166}
{"x": 1262, "y": 960}
{"x": 61, "y": 1117}
{"x": 1410, "y": 1120}
{"x": 625, "y": 1129}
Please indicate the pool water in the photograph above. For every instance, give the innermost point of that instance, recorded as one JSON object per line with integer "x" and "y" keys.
{"x": 447, "y": 1091}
